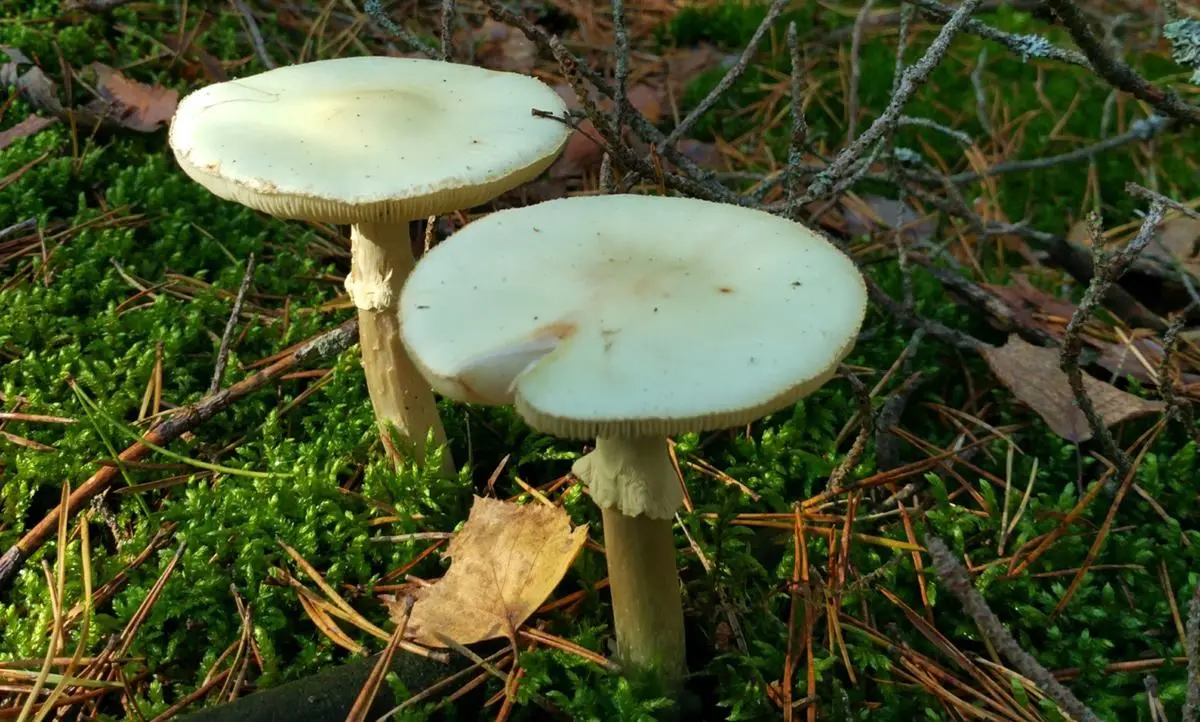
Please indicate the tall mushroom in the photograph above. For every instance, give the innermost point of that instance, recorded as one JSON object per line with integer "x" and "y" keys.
{"x": 374, "y": 142}
{"x": 627, "y": 319}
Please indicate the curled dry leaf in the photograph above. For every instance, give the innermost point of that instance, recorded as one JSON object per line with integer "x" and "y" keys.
{"x": 504, "y": 564}
{"x": 130, "y": 104}
{"x": 1033, "y": 375}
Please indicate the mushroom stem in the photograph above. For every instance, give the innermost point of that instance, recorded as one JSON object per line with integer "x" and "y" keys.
{"x": 647, "y": 609}
{"x": 380, "y": 261}
{"x": 634, "y": 483}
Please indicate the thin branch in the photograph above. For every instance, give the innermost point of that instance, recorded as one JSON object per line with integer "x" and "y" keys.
{"x": 731, "y": 76}
{"x": 1117, "y": 72}
{"x": 230, "y": 325}
{"x": 256, "y": 38}
{"x": 1109, "y": 266}
{"x": 1140, "y": 130}
{"x": 1192, "y": 705}
{"x": 799, "y": 123}
{"x": 954, "y": 576}
{"x": 449, "y": 9}
{"x": 914, "y": 77}
{"x": 856, "y": 69}
{"x": 1025, "y": 46}
{"x": 375, "y": 10}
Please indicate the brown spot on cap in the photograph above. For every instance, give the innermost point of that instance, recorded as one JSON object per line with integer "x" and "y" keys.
{"x": 725, "y": 289}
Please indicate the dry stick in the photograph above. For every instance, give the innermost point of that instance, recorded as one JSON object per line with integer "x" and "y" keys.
{"x": 230, "y": 325}
{"x": 914, "y": 77}
{"x": 1192, "y": 704}
{"x": 1026, "y": 46}
{"x": 955, "y": 577}
{"x": 799, "y": 124}
{"x": 375, "y": 10}
{"x": 1109, "y": 266}
{"x": 448, "y": 11}
{"x": 856, "y": 69}
{"x": 637, "y": 122}
{"x": 256, "y": 38}
{"x": 186, "y": 419}
{"x": 1115, "y": 71}
{"x": 1140, "y": 130}
{"x": 1179, "y": 409}
{"x": 731, "y": 76}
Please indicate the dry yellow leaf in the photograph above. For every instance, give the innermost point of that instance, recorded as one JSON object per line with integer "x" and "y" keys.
{"x": 504, "y": 564}
{"x": 1033, "y": 375}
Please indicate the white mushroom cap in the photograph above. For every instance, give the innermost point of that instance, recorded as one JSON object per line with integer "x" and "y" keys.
{"x": 623, "y": 315}
{"x": 367, "y": 138}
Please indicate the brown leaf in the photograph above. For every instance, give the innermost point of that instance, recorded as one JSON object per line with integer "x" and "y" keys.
{"x": 39, "y": 90}
{"x": 1033, "y": 307}
{"x": 1179, "y": 238}
{"x": 504, "y": 48}
{"x": 1033, "y": 375}
{"x": 504, "y": 563}
{"x": 24, "y": 129}
{"x": 868, "y": 213}
{"x": 130, "y": 104}
{"x": 648, "y": 101}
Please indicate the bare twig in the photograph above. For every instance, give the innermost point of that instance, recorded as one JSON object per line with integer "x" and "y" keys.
{"x": 1025, "y": 46}
{"x": 375, "y": 11}
{"x": 954, "y": 576}
{"x": 914, "y": 77}
{"x": 256, "y": 38}
{"x": 1139, "y": 131}
{"x": 856, "y": 69}
{"x": 230, "y": 325}
{"x": 621, "y": 69}
{"x": 799, "y": 123}
{"x": 1192, "y": 704}
{"x": 1109, "y": 266}
{"x": 1117, "y": 72}
{"x": 731, "y": 76}
{"x": 449, "y": 9}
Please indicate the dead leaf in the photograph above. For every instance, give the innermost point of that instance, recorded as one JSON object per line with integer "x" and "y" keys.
{"x": 648, "y": 101}
{"x": 504, "y": 563}
{"x": 39, "y": 90}
{"x": 130, "y": 104}
{"x": 1034, "y": 308}
{"x": 1179, "y": 238}
{"x": 868, "y": 213}
{"x": 24, "y": 129}
{"x": 504, "y": 48}
{"x": 1032, "y": 374}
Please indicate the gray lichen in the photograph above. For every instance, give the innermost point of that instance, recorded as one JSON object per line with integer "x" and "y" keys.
{"x": 1184, "y": 36}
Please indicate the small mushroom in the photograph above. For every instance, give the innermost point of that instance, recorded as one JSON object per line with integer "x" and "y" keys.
{"x": 374, "y": 142}
{"x": 628, "y": 319}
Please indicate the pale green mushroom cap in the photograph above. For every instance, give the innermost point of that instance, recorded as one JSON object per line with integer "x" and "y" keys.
{"x": 366, "y": 139}
{"x": 624, "y": 315}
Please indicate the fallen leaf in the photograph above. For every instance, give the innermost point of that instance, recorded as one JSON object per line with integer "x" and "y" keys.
{"x": 39, "y": 90}
{"x": 648, "y": 101}
{"x": 1032, "y": 374}
{"x": 503, "y": 48}
{"x": 130, "y": 104}
{"x": 24, "y": 129}
{"x": 1034, "y": 308}
{"x": 504, "y": 564}
{"x": 1179, "y": 238}
{"x": 868, "y": 213}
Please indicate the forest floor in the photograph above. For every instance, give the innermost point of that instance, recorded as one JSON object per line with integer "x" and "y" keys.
{"x": 226, "y": 562}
